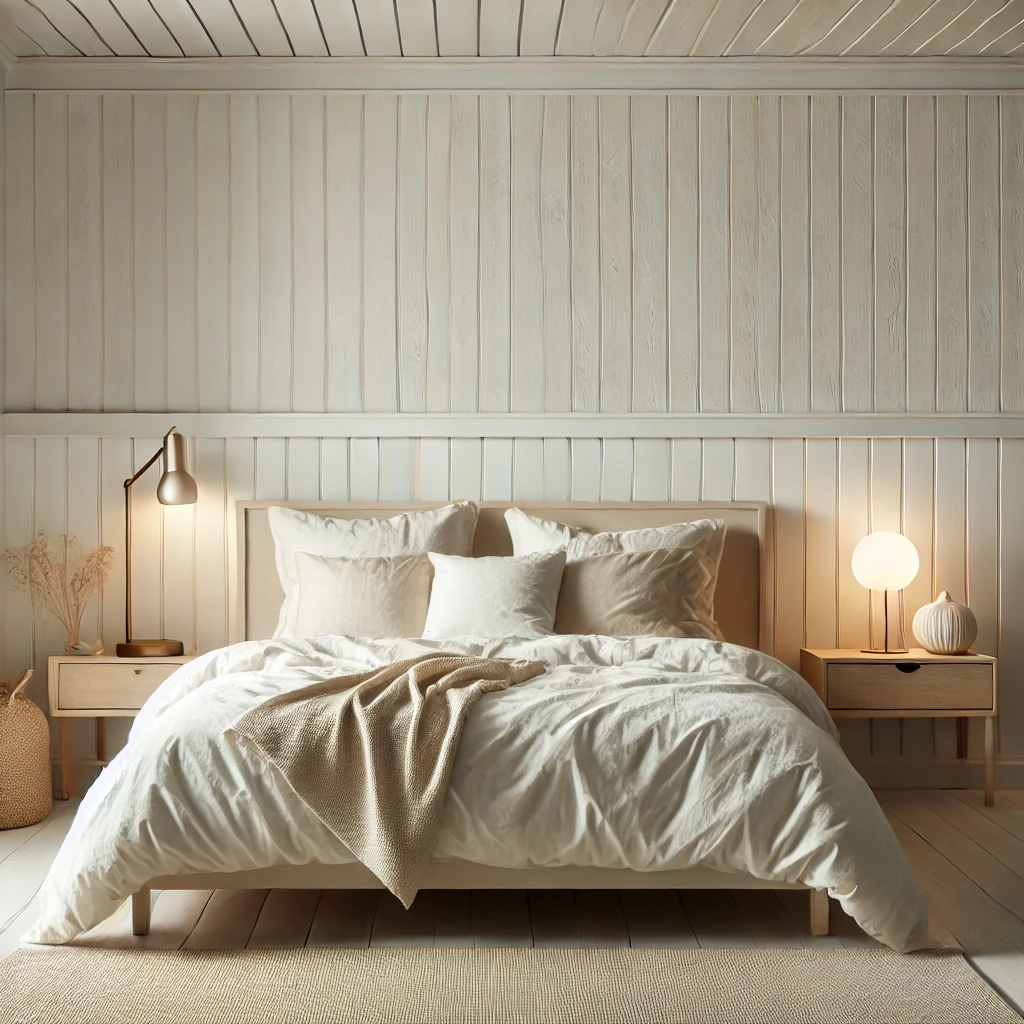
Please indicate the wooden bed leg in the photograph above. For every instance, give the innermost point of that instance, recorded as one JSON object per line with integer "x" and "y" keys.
{"x": 819, "y": 912}
{"x": 141, "y": 903}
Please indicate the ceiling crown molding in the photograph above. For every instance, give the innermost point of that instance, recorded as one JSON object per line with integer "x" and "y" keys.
{"x": 521, "y": 74}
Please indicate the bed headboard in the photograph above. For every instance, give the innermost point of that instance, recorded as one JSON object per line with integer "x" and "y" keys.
{"x": 742, "y": 604}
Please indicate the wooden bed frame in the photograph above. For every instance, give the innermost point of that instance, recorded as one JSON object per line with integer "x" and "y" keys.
{"x": 744, "y": 606}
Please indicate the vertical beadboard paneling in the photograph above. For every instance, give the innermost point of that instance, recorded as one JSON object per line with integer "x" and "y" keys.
{"x": 951, "y": 253}
{"x": 211, "y": 554}
{"x": 213, "y": 253}
{"x": 585, "y": 247}
{"x": 1011, "y": 596}
{"x": 412, "y": 253}
{"x": 825, "y": 269}
{"x": 244, "y": 278}
{"x": 180, "y": 146}
{"x": 983, "y": 253}
{"x": 51, "y": 235}
{"x": 495, "y": 240}
{"x": 616, "y": 263}
{"x": 554, "y": 235}
{"x": 309, "y": 341}
{"x": 439, "y": 148}
{"x": 649, "y": 178}
{"x": 714, "y": 281}
{"x": 19, "y": 168}
{"x": 857, "y": 252}
{"x": 795, "y": 293}
{"x": 683, "y": 255}
{"x": 276, "y": 359}
{"x": 464, "y": 252}
{"x": 752, "y": 254}
{"x": 890, "y": 326}
{"x": 1011, "y": 240}
{"x": 790, "y": 552}
{"x": 528, "y": 283}
{"x": 820, "y": 513}
{"x": 85, "y": 259}
{"x": 853, "y": 520}
{"x": 343, "y": 183}
{"x": 921, "y": 253}
{"x": 397, "y": 478}
{"x": 149, "y": 273}
{"x": 19, "y": 527}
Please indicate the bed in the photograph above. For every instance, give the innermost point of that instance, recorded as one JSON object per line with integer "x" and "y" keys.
{"x": 744, "y": 607}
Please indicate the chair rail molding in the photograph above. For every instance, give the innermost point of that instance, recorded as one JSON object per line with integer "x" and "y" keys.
{"x": 514, "y": 425}
{"x": 521, "y": 75}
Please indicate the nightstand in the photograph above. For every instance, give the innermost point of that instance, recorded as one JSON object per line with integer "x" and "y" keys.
{"x": 853, "y": 684}
{"x": 100, "y": 688}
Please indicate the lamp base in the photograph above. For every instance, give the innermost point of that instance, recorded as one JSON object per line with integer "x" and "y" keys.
{"x": 881, "y": 650}
{"x": 150, "y": 649}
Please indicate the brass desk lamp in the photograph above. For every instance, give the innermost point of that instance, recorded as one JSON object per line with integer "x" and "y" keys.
{"x": 176, "y": 487}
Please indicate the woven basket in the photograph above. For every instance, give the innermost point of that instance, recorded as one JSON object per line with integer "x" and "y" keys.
{"x": 26, "y": 782}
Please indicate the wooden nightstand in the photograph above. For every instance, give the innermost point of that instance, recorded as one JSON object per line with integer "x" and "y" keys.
{"x": 853, "y": 684}
{"x": 101, "y": 688}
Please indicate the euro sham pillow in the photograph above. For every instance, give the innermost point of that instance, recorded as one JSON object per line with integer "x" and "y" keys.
{"x": 494, "y": 597}
{"x": 664, "y": 592}
{"x": 364, "y": 597}
{"x": 697, "y": 576}
{"x": 449, "y": 530}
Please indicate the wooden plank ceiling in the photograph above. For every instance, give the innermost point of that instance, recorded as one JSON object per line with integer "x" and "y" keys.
{"x": 419, "y": 28}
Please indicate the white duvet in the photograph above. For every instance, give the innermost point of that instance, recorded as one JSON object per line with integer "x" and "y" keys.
{"x": 648, "y": 753}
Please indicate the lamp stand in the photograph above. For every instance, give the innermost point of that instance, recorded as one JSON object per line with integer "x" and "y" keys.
{"x": 886, "y": 649}
{"x": 132, "y": 648}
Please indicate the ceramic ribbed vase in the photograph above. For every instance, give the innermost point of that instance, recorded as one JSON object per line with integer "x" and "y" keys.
{"x": 945, "y": 626}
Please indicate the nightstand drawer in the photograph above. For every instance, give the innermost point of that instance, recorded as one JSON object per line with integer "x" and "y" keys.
{"x": 886, "y": 687}
{"x": 105, "y": 686}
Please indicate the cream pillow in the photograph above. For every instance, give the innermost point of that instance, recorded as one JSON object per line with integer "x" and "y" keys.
{"x": 449, "y": 529}
{"x": 494, "y": 597}
{"x": 665, "y": 592}
{"x": 368, "y": 597}
{"x": 704, "y": 537}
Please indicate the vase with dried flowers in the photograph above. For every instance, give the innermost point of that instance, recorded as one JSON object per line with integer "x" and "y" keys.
{"x": 64, "y": 578}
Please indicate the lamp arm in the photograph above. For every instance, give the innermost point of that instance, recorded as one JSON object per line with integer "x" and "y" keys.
{"x": 128, "y": 544}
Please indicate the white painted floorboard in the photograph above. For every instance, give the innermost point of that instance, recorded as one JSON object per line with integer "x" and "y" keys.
{"x": 968, "y": 858}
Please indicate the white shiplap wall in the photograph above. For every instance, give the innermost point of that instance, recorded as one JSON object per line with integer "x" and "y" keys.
{"x": 403, "y": 254}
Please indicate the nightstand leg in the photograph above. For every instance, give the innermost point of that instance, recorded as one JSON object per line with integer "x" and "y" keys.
{"x": 961, "y": 737}
{"x": 990, "y": 762}
{"x": 819, "y": 912}
{"x": 142, "y": 905}
{"x": 101, "y": 739}
{"x": 62, "y": 753}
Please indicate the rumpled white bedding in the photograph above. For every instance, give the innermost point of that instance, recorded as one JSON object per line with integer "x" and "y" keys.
{"x": 647, "y": 753}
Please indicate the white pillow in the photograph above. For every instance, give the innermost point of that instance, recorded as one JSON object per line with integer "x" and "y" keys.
{"x": 494, "y": 597}
{"x": 703, "y": 538}
{"x": 449, "y": 529}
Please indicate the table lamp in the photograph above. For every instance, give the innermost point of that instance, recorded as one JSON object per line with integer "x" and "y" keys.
{"x": 886, "y": 561}
{"x": 176, "y": 487}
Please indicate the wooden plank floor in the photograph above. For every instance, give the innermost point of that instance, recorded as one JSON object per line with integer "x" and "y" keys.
{"x": 968, "y": 858}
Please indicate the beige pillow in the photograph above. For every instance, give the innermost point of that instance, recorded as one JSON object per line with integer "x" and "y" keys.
{"x": 704, "y": 538}
{"x": 665, "y": 592}
{"x": 449, "y": 529}
{"x": 366, "y": 597}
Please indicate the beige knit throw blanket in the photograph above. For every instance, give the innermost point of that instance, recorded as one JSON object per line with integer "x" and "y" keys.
{"x": 371, "y": 753}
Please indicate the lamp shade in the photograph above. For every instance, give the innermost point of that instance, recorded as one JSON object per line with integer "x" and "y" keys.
{"x": 884, "y": 560}
{"x": 176, "y": 486}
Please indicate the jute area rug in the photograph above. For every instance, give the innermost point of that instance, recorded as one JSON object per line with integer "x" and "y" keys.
{"x": 497, "y": 986}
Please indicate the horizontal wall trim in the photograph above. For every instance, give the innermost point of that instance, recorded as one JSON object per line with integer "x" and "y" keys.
{"x": 533, "y": 75}
{"x": 509, "y": 425}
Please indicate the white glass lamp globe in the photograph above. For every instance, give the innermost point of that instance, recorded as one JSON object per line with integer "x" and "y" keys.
{"x": 884, "y": 560}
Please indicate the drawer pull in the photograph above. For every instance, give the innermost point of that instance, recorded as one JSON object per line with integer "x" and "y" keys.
{"x": 907, "y": 666}
{"x": 138, "y": 671}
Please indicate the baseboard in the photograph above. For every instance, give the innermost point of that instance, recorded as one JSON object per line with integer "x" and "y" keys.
{"x": 939, "y": 773}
